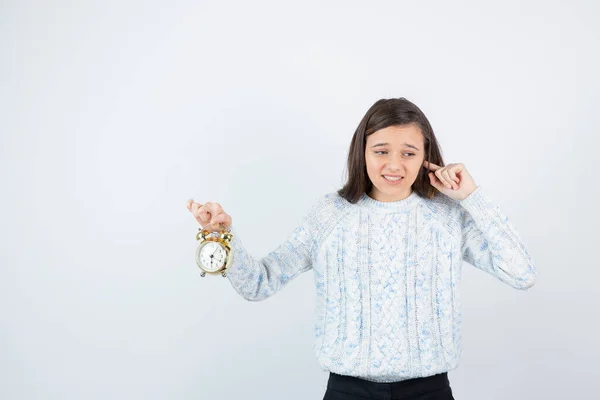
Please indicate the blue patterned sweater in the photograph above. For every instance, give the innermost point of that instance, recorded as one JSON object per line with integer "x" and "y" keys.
{"x": 387, "y": 277}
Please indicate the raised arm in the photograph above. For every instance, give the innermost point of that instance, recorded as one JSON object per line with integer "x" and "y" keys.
{"x": 491, "y": 243}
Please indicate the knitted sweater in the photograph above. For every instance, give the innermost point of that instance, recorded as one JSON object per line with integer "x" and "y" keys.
{"x": 387, "y": 277}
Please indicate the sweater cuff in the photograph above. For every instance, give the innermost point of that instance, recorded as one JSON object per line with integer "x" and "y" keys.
{"x": 237, "y": 250}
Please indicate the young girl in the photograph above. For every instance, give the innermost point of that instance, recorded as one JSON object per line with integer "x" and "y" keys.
{"x": 386, "y": 251}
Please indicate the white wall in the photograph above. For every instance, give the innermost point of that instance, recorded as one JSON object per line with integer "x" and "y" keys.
{"x": 114, "y": 113}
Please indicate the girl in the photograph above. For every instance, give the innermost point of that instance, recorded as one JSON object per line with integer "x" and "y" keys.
{"x": 386, "y": 251}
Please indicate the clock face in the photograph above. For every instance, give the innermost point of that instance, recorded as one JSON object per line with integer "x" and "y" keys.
{"x": 212, "y": 256}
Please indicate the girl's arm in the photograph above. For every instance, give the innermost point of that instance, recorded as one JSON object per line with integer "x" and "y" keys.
{"x": 490, "y": 242}
{"x": 257, "y": 279}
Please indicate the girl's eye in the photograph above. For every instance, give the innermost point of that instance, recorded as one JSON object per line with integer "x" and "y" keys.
{"x": 382, "y": 151}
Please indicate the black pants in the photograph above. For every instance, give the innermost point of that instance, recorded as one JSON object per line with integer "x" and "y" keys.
{"x": 341, "y": 387}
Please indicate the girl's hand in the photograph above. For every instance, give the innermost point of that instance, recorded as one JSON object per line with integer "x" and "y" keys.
{"x": 453, "y": 180}
{"x": 209, "y": 213}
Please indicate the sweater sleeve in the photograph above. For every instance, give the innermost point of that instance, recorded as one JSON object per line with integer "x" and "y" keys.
{"x": 490, "y": 242}
{"x": 257, "y": 279}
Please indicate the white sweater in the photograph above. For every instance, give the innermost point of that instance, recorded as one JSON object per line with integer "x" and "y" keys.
{"x": 387, "y": 278}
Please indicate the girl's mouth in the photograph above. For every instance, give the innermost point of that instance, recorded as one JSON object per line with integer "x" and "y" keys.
{"x": 392, "y": 180}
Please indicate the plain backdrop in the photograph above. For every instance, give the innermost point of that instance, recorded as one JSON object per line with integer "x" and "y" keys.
{"x": 114, "y": 113}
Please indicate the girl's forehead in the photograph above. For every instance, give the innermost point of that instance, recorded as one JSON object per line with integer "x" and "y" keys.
{"x": 399, "y": 135}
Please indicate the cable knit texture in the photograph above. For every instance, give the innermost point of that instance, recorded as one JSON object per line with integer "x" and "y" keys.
{"x": 387, "y": 277}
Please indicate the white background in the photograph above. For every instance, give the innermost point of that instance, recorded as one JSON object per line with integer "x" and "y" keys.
{"x": 114, "y": 113}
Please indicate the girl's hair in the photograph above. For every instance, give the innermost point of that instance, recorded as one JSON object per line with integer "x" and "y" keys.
{"x": 384, "y": 113}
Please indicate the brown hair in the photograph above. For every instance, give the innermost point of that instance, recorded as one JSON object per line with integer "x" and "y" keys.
{"x": 384, "y": 113}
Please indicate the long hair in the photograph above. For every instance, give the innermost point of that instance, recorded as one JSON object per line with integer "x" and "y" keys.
{"x": 384, "y": 113}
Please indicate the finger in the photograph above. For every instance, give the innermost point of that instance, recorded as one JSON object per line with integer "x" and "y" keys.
{"x": 452, "y": 172}
{"x": 446, "y": 175}
{"x": 220, "y": 218}
{"x": 214, "y": 209}
{"x": 192, "y": 205}
{"x": 195, "y": 206}
{"x": 203, "y": 218}
{"x": 202, "y": 214}
{"x": 431, "y": 166}
{"x": 435, "y": 182}
{"x": 439, "y": 174}
{"x": 223, "y": 219}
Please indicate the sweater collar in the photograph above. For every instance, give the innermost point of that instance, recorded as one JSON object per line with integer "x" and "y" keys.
{"x": 366, "y": 201}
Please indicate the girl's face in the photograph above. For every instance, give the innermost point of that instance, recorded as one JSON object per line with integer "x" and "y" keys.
{"x": 394, "y": 152}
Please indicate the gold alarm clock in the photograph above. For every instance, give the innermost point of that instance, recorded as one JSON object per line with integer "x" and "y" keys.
{"x": 214, "y": 254}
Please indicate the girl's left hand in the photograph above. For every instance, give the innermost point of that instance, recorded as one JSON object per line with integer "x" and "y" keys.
{"x": 453, "y": 180}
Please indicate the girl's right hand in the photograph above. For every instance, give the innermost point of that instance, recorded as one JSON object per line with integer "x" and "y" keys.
{"x": 209, "y": 213}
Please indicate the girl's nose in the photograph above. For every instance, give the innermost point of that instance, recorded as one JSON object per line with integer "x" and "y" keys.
{"x": 394, "y": 164}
